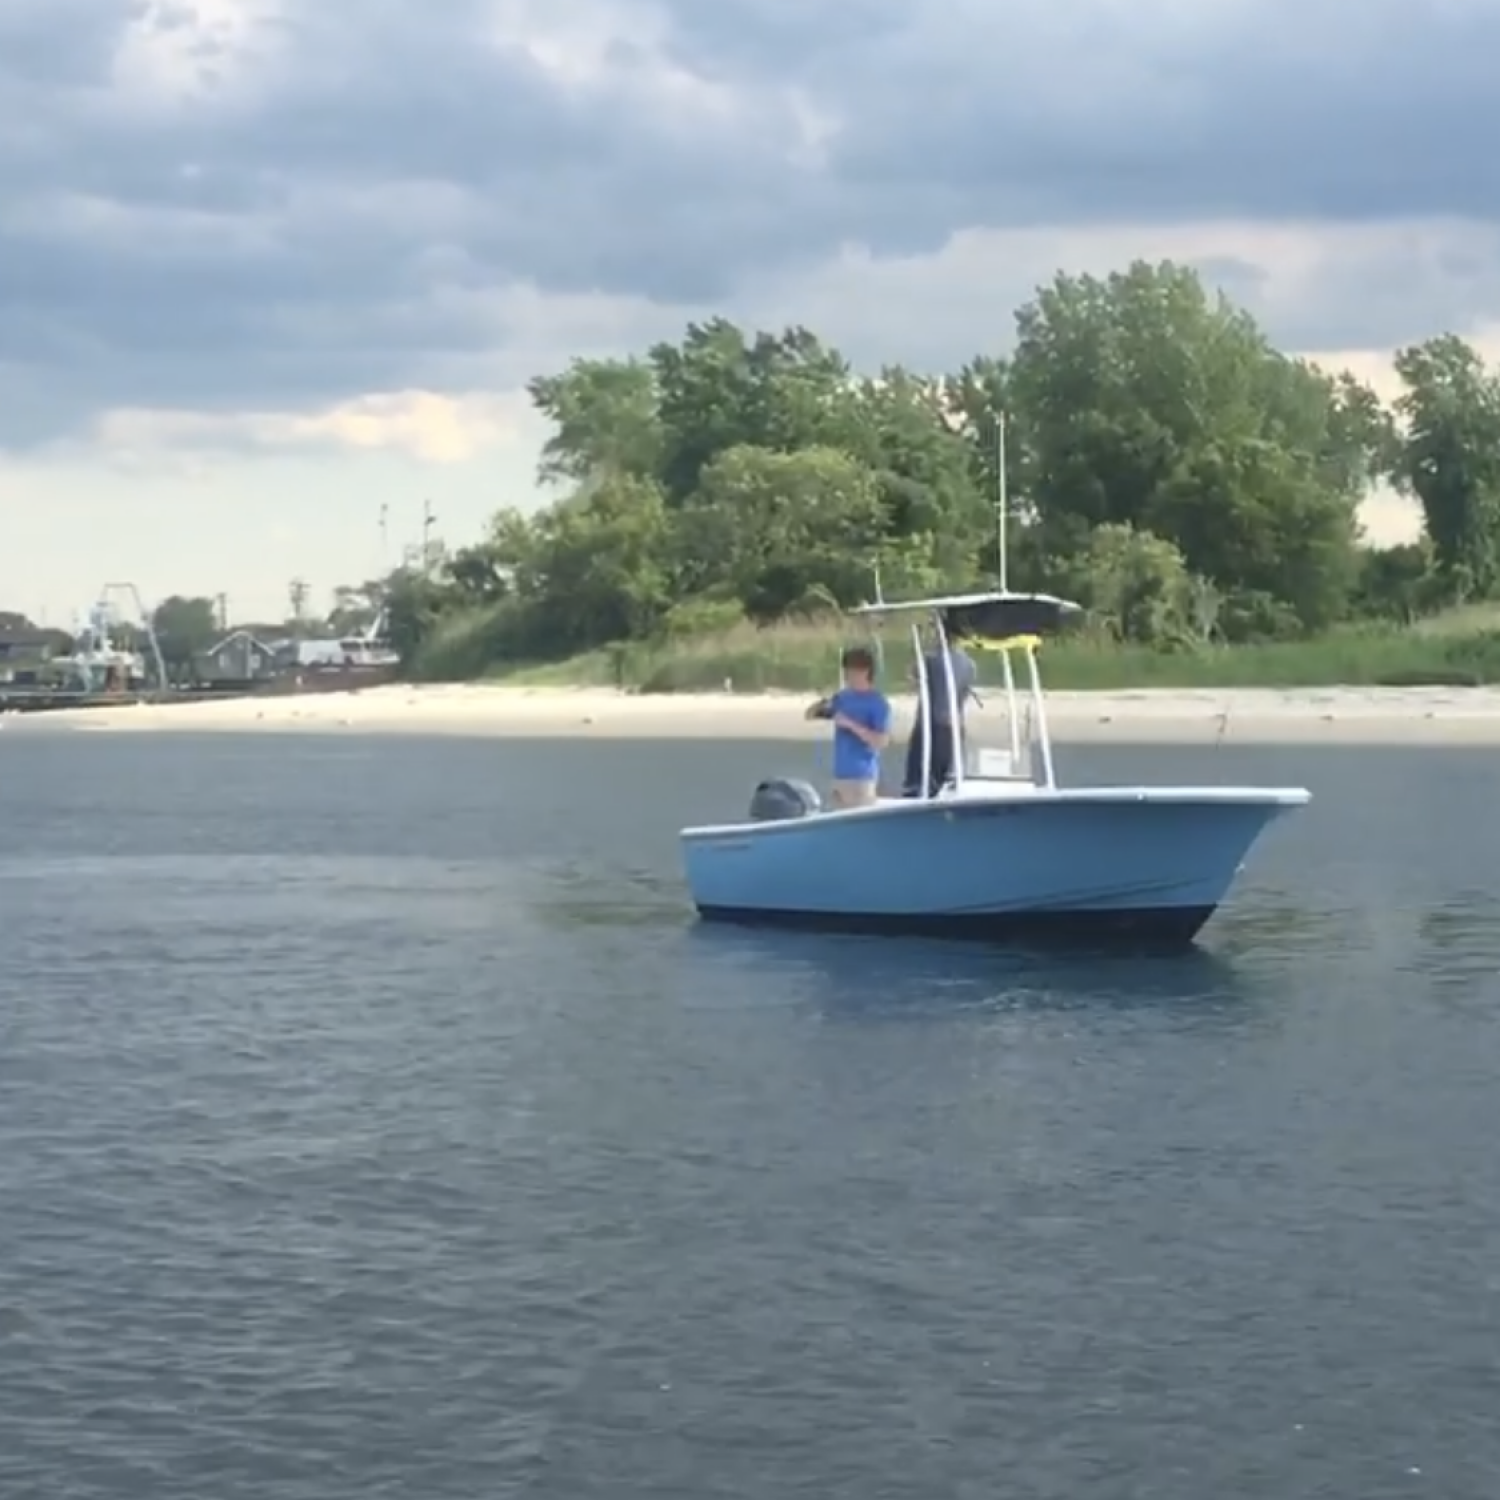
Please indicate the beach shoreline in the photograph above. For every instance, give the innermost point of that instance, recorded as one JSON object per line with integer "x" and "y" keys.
{"x": 1334, "y": 716}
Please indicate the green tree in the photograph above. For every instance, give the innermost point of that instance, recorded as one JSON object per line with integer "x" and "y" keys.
{"x": 976, "y": 402}
{"x": 415, "y": 605}
{"x": 605, "y": 420}
{"x": 779, "y": 527}
{"x": 718, "y": 390}
{"x": 1253, "y": 517}
{"x": 1450, "y": 459}
{"x": 480, "y": 573}
{"x": 1162, "y": 461}
{"x": 13, "y": 623}
{"x": 594, "y": 570}
{"x": 185, "y": 628}
{"x": 1118, "y": 379}
{"x": 1147, "y": 402}
{"x": 932, "y": 498}
{"x": 1138, "y": 588}
{"x": 1398, "y": 583}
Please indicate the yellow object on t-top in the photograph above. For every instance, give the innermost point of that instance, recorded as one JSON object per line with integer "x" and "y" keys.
{"x": 1006, "y": 643}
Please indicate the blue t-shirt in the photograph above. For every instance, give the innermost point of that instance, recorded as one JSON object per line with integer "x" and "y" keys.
{"x": 853, "y": 760}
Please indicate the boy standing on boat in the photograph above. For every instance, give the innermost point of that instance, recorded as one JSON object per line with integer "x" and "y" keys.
{"x": 861, "y": 716}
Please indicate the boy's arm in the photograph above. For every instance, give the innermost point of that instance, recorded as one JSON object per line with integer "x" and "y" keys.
{"x": 877, "y": 733}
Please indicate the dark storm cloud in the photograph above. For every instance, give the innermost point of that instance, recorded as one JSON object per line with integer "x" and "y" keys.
{"x": 1166, "y": 113}
{"x": 261, "y": 242}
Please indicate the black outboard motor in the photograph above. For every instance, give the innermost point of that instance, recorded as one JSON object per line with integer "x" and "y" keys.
{"x": 780, "y": 798}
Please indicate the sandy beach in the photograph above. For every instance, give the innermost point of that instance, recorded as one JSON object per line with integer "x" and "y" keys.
{"x": 1435, "y": 716}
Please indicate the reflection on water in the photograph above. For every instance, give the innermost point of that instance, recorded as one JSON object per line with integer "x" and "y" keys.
{"x": 577, "y": 894}
{"x": 900, "y": 976}
{"x": 872, "y": 975}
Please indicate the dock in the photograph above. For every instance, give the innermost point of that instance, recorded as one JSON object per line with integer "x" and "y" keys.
{"x": 19, "y": 699}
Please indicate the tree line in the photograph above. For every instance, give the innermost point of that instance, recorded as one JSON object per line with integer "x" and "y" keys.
{"x": 1167, "y": 466}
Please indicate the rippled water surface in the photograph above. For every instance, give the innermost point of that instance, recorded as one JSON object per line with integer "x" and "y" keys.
{"x": 375, "y": 1122}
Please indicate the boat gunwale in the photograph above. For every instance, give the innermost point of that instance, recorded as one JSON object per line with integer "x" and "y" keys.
{"x": 971, "y": 802}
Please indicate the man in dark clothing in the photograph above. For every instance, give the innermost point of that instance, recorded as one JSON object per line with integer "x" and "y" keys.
{"x": 947, "y": 734}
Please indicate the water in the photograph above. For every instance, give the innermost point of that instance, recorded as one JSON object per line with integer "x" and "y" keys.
{"x": 374, "y": 1122}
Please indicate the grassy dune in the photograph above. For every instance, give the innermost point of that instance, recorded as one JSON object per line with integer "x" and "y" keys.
{"x": 1460, "y": 649}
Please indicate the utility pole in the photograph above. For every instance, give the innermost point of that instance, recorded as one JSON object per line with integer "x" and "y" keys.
{"x": 385, "y": 551}
{"x": 223, "y": 602}
{"x": 429, "y": 520}
{"x": 297, "y": 593}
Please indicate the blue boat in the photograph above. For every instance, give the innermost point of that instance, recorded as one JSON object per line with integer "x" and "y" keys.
{"x": 1000, "y": 852}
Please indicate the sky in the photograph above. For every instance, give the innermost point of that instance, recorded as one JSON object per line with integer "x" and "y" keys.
{"x": 271, "y": 270}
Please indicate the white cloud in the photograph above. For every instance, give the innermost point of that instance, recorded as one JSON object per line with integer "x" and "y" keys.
{"x": 263, "y": 203}
{"x": 269, "y": 232}
{"x": 173, "y": 54}
{"x": 436, "y": 429}
{"x": 929, "y": 311}
{"x": 588, "y": 46}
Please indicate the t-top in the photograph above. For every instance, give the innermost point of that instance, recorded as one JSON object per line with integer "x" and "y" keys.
{"x": 853, "y": 760}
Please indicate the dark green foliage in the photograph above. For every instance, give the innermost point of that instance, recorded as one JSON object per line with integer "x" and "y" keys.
{"x": 1165, "y": 464}
{"x": 184, "y": 629}
{"x": 1451, "y": 459}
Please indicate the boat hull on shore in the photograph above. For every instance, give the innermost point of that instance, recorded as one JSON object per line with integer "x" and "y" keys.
{"x": 1109, "y": 865}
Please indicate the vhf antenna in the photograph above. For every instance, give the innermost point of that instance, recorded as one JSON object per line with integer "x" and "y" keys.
{"x": 1000, "y": 501}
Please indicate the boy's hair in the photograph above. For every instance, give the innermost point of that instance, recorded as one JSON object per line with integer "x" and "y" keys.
{"x": 859, "y": 658}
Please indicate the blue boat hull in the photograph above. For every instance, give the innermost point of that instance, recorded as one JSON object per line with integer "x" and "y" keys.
{"x": 1138, "y": 866}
